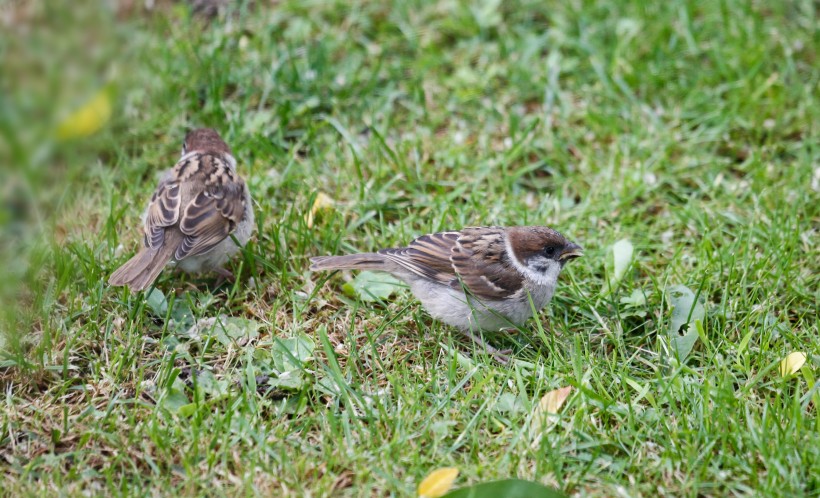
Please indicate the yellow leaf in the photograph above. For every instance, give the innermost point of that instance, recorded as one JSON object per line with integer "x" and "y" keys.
{"x": 792, "y": 363}
{"x": 88, "y": 119}
{"x": 550, "y": 404}
{"x": 438, "y": 482}
{"x": 321, "y": 203}
{"x": 553, "y": 400}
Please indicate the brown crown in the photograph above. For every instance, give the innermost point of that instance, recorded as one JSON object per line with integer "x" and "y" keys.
{"x": 205, "y": 140}
{"x": 530, "y": 241}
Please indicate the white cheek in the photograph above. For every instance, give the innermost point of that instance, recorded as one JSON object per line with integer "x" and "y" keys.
{"x": 549, "y": 268}
{"x": 546, "y": 277}
{"x": 554, "y": 270}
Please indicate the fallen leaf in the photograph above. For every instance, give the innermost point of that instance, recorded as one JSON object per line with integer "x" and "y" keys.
{"x": 554, "y": 400}
{"x": 550, "y": 404}
{"x": 622, "y": 257}
{"x": 686, "y": 310}
{"x": 323, "y": 202}
{"x": 88, "y": 119}
{"x": 437, "y": 482}
{"x": 792, "y": 363}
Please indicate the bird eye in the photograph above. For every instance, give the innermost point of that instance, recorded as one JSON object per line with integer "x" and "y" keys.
{"x": 549, "y": 251}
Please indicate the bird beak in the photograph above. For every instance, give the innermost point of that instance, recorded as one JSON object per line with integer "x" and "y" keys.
{"x": 572, "y": 251}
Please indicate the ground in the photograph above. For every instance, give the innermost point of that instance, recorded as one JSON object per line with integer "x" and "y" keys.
{"x": 689, "y": 129}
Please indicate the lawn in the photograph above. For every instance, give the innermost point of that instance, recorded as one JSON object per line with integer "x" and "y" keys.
{"x": 686, "y": 131}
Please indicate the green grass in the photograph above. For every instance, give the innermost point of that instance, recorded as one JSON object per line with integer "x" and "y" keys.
{"x": 690, "y": 129}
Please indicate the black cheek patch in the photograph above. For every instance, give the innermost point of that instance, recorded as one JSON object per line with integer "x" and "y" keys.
{"x": 538, "y": 266}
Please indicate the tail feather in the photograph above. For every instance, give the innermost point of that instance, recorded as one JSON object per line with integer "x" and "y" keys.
{"x": 141, "y": 270}
{"x": 364, "y": 261}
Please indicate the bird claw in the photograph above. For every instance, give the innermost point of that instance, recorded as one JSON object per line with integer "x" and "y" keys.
{"x": 224, "y": 275}
{"x": 502, "y": 356}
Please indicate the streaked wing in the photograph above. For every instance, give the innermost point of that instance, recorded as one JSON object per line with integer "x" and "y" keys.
{"x": 210, "y": 217}
{"x": 162, "y": 212}
{"x": 481, "y": 261}
{"x": 474, "y": 258}
{"x": 428, "y": 256}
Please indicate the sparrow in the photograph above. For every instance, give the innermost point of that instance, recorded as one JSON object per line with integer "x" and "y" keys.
{"x": 476, "y": 279}
{"x": 199, "y": 207}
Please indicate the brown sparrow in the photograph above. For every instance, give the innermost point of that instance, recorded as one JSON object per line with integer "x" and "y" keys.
{"x": 199, "y": 207}
{"x": 476, "y": 279}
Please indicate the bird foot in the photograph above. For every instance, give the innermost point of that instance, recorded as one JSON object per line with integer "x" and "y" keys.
{"x": 502, "y": 356}
{"x": 224, "y": 275}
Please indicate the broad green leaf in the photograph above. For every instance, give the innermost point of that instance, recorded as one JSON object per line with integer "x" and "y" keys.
{"x": 636, "y": 299}
{"x": 328, "y": 386}
{"x": 225, "y": 329}
{"x": 372, "y": 286}
{"x": 283, "y": 362}
{"x": 233, "y": 329}
{"x": 509, "y": 403}
{"x": 635, "y": 304}
{"x": 182, "y": 318}
{"x": 437, "y": 482}
{"x": 208, "y": 384}
{"x": 293, "y": 380}
{"x": 187, "y": 410}
{"x": 157, "y": 302}
{"x": 292, "y": 353}
{"x": 508, "y": 488}
{"x": 683, "y": 344}
{"x": 175, "y": 400}
{"x": 686, "y": 310}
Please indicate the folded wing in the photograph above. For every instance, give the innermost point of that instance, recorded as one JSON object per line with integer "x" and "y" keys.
{"x": 203, "y": 199}
{"x": 473, "y": 258}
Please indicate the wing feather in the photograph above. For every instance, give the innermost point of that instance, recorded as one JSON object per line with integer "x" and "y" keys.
{"x": 203, "y": 198}
{"x": 481, "y": 261}
{"x": 474, "y": 258}
{"x": 210, "y": 217}
{"x": 427, "y": 256}
{"x": 163, "y": 212}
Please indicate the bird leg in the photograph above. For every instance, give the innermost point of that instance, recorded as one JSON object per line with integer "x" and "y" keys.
{"x": 501, "y": 355}
{"x": 224, "y": 275}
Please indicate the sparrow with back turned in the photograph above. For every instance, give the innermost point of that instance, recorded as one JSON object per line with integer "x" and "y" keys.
{"x": 476, "y": 279}
{"x": 200, "y": 206}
